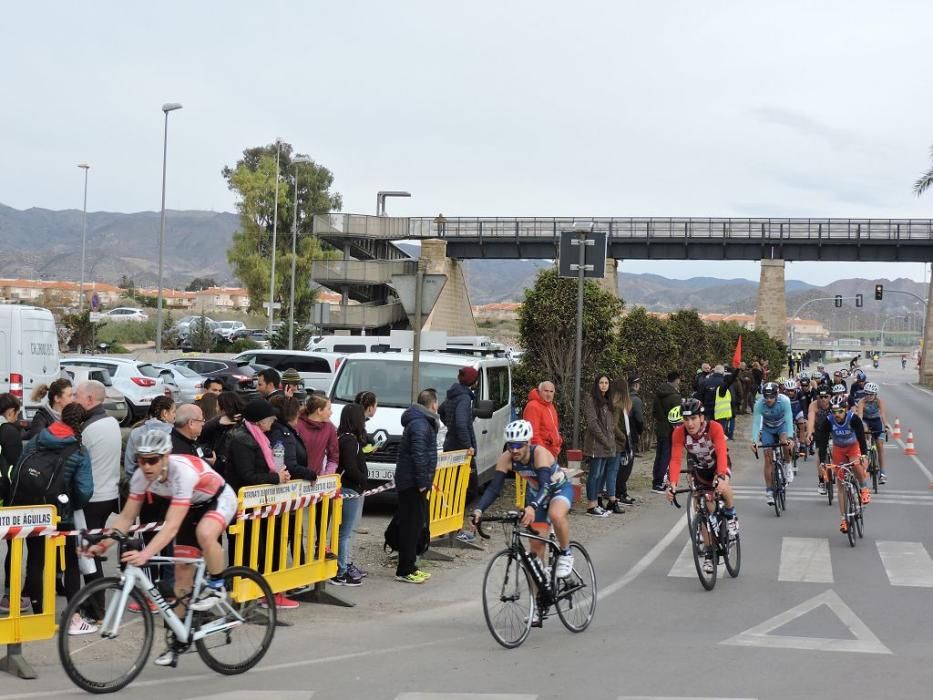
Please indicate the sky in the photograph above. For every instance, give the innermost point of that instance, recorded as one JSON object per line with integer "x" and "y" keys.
{"x": 486, "y": 108}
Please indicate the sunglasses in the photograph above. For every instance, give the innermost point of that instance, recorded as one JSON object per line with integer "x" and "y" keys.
{"x": 152, "y": 459}
{"x": 516, "y": 445}
{"x": 839, "y": 411}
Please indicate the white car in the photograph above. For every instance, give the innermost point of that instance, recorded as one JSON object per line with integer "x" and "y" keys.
{"x": 317, "y": 369}
{"x": 226, "y": 329}
{"x": 186, "y": 385}
{"x": 115, "y": 404}
{"x": 126, "y": 313}
{"x": 139, "y": 382}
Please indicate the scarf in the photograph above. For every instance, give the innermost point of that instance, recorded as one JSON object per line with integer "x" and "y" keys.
{"x": 56, "y": 415}
{"x": 263, "y": 442}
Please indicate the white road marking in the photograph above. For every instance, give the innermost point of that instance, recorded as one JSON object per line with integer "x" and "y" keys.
{"x": 257, "y": 695}
{"x": 865, "y": 641}
{"x": 463, "y": 696}
{"x": 926, "y": 472}
{"x": 906, "y": 563}
{"x": 806, "y": 559}
{"x": 882, "y": 498}
{"x": 645, "y": 561}
{"x": 674, "y": 697}
{"x": 920, "y": 388}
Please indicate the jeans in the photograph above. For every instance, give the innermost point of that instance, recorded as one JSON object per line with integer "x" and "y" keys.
{"x": 352, "y": 509}
{"x": 596, "y": 476}
{"x": 612, "y": 474}
{"x": 662, "y": 460}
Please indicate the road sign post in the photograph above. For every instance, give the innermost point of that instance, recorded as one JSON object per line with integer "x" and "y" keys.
{"x": 418, "y": 293}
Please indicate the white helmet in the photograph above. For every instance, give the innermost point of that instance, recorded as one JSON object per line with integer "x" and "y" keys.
{"x": 790, "y": 385}
{"x": 871, "y": 388}
{"x": 154, "y": 442}
{"x": 839, "y": 389}
{"x": 518, "y": 431}
{"x": 804, "y": 377}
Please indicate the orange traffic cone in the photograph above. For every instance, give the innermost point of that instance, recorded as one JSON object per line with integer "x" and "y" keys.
{"x": 909, "y": 447}
{"x": 897, "y": 428}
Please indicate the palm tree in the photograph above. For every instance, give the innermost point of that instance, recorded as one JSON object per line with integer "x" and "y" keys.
{"x": 925, "y": 180}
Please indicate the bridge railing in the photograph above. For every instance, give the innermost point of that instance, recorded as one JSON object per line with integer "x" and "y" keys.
{"x": 361, "y": 225}
{"x": 363, "y": 271}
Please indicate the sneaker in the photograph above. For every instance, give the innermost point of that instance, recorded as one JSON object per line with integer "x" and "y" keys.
{"x": 708, "y": 564}
{"x": 329, "y": 555}
{"x": 769, "y": 497}
{"x": 564, "y": 565}
{"x": 356, "y": 572}
{"x": 79, "y": 626}
{"x": 411, "y": 578}
{"x": 616, "y": 507}
{"x": 882, "y": 478}
{"x": 25, "y": 605}
{"x": 789, "y": 476}
{"x": 346, "y": 579}
{"x": 821, "y": 488}
{"x": 167, "y": 658}
{"x": 597, "y": 512}
{"x": 658, "y": 489}
{"x": 733, "y": 526}
{"x": 812, "y": 449}
{"x": 466, "y": 536}
{"x": 844, "y": 526}
{"x": 627, "y": 500}
{"x": 866, "y": 496}
{"x": 282, "y": 603}
{"x": 423, "y": 574}
{"x": 209, "y": 597}
{"x": 135, "y": 607}
{"x": 535, "y": 618}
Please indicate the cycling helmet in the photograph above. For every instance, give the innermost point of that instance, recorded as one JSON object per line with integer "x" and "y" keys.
{"x": 839, "y": 402}
{"x": 770, "y": 390}
{"x": 823, "y": 392}
{"x": 691, "y": 407}
{"x": 871, "y": 388}
{"x": 154, "y": 442}
{"x": 860, "y": 375}
{"x": 804, "y": 377}
{"x": 839, "y": 389}
{"x": 790, "y": 385}
{"x": 518, "y": 431}
{"x": 674, "y": 416}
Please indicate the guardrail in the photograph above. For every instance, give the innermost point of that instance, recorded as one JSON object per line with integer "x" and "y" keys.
{"x": 448, "y": 493}
{"x": 363, "y": 315}
{"x": 361, "y": 271}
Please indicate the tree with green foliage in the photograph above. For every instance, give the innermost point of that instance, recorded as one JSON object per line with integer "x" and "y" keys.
{"x": 253, "y": 179}
{"x": 201, "y": 336}
{"x": 647, "y": 351}
{"x": 279, "y": 338}
{"x": 547, "y": 332}
{"x": 688, "y": 333}
{"x": 199, "y": 283}
{"x": 80, "y": 329}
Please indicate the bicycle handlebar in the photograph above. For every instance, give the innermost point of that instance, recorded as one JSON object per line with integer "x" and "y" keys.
{"x": 512, "y": 516}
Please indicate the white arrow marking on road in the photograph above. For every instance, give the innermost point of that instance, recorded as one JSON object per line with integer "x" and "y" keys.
{"x": 806, "y": 559}
{"x": 865, "y": 641}
{"x": 906, "y": 564}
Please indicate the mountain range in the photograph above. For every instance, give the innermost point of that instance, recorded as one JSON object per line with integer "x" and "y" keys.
{"x": 45, "y": 244}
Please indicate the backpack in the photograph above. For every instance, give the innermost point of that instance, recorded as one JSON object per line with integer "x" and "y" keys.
{"x": 39, "y": 477}
{"x": 391, "y": 536}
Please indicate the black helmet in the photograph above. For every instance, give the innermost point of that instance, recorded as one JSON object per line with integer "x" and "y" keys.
{"x": 770, "y": 390}
{"x": 691, "y": 407}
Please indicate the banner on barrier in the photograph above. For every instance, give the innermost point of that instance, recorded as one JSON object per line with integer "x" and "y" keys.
{"x": 451, "y": 459}
{"x": 272, "y": 494}
{"x": 27, "y": 517}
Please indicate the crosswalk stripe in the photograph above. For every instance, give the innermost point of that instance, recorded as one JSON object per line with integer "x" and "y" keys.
{"x": 906, "y": 563}
{"x": 675, "y": 697}
{"x": 463, "y": 696}
{"x": 805, "y": 559}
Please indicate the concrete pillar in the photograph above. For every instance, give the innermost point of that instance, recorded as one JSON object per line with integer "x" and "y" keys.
{"x": 926, "y": 353}
{"x": 453, "y": 312}
{"x": 771, "y": 312}
{"x": 610, "y": 279}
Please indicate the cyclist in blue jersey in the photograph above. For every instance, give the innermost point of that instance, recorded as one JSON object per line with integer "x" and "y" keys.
{"x": 550, "y": 491}
{"x": 798, "y": 411}
{"x": 772, "y": 423}
{"x": 871, "y": 410}
{"x": 857, "y": 390}
{"x": 848, "y": 435}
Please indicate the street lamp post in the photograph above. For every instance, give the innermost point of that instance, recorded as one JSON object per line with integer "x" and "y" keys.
{"x": 297, "y": 160}
{"x": 166, "y": 108}
{"x": 275, "y": 226}
{"x": 85, "y": 167}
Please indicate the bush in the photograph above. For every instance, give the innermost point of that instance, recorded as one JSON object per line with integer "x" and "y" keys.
{"x": 128, "y": 332}
{"x": 242, "y": 344}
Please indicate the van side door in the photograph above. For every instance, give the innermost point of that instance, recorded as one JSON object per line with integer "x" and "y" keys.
{"x": 496, "y": 387}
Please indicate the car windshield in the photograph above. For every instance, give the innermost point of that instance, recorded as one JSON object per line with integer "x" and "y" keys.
{"x": 186, "y": 372}
{"x": 148, "y": 370}
{"x": 227, "y": 324}
{"x": 391, "y": 381}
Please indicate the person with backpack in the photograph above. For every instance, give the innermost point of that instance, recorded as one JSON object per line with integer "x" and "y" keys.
{"x": 216, "y": 431}
{"x": 414, "y": 475}
{"x": 354, "y": 480}
{"x": 55, "y": 469}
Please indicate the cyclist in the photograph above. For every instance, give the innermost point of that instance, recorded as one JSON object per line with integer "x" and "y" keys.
{"x": 819, "y": 411}
{"x": 822, "y": 375}
{"x": 201, "y": 506}
{"x": 550, "y": 490}
{"x": 871, "y": 410}
{"x": 772, "y": 423}
{"x": 857, "y": 390}
{"x": 848, "y": 434}
{"x": 800, "y": 418}
{"x": 705, "y": 443}
{"x": 875, "y": 359}
{"x": 839, "y": 379}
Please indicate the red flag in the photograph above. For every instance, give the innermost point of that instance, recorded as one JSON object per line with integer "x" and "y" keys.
{"x": 737, "y": 355}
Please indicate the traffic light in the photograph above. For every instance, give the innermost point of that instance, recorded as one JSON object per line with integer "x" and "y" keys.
{"x": 879, "y": 292}
{"x": 858, "y": 301}
{"x": 838, "y": 301}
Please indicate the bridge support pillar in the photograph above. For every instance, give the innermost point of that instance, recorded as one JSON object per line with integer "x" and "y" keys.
{"x": 610, "y": 279}
{"x": 771, "y": 311}
{"x": 453, "y": 312}
{"x": 926, "y": 352}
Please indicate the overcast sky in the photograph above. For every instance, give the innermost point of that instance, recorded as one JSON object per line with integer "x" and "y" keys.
{"x": 483, "y": 108}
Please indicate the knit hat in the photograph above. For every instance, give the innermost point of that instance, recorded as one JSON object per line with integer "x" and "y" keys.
{"x": 468, "y": 375}
{"x": 257, "y": 410}
{"x": 291, "y": 376}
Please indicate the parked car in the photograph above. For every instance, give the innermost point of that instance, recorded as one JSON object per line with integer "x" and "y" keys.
{"x": 126, "y": 313}
{"x": 236, "y": 376}
{"x": 186, "y": 384}
{"x": 225, "y": 329}
{"x": 115, "y": 405}
{"x": 317, "y": 369}
{"x": 258, "y": 335}
{"x": 183, "y": 324}
{"x": 28, "y": 352}
{"x": 139, "y": 382}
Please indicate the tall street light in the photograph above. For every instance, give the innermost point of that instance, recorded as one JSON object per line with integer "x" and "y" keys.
{"x": 296, "y": 161}
{"x": 85, "y": 167}
{"x": 166, "y": 108}
{"x": 275, "y": 225}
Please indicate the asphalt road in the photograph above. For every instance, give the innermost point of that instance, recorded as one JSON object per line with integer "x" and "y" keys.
{"x": 808, "y": 617}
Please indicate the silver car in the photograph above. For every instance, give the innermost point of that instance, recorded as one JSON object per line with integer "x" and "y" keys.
{"x": 186, "y": 385}
{"x": 115, "y": 404}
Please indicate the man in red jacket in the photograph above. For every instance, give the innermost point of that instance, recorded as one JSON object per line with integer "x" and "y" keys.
{"x": 542, "y": 414}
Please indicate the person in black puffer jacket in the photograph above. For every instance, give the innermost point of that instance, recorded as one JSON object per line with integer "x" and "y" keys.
{"x": 354, "y": 480}
{"x": 457, "y": 415}
{"x": 54, "y": 398}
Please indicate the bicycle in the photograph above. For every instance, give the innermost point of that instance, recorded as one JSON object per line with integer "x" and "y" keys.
{"x": 778, "y": 476}
{"x": 124, "y": 640}
{"x": 874, "y": 465}
{"x": 852, "y": 501}
{"x": 517, "y": 587}
{"x": 709, "y": 534}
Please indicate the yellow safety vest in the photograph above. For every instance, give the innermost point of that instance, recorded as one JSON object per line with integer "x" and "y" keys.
{"x": 723, "y": 407}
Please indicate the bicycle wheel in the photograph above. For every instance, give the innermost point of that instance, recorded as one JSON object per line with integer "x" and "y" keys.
{"x": 777, "y": 483}
{"x": 104, "y": 664}
{"x": 575, "y": 596}
{"x": 830, "y": 485}
{"x": 859, "y": 516}
{"x": 873, "y": 467}
{"x": 239, "y": 630}
{"x": 849, "y": 505}
{"x": 508, "y": 599}
{"x": 700, "y": 549}
{"x": 731, "y": 549}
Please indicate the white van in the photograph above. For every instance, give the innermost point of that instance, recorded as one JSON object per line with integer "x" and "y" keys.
{"x": 316, "y": 369}
{"x": 28, "y": 352}
{"x": 389, "y": 377}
